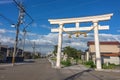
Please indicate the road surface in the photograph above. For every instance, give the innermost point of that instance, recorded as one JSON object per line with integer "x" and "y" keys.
{"x": 42, "y": 70}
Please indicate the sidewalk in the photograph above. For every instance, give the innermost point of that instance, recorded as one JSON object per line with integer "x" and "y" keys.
{"x": 77, "y": 67}
{"x": 74, "y": 67}
{"x": 6, "y": 65}
{"x": 82, "y": 67}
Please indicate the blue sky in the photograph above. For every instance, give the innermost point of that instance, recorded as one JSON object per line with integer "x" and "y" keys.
{"x": 42, "y": 10}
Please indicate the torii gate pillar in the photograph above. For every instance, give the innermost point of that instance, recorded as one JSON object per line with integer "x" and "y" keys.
{"x": 94, "y": 19}
{"x": 59, "y": 46}
{"x": 97, "y": 45}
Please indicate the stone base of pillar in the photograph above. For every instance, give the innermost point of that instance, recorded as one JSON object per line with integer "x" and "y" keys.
{"x": 57, "y": 67}
{"x": 98, "y": 69}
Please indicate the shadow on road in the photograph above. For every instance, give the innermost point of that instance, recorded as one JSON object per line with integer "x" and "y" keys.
{"x": 2, "y": 69}
{"x": 77, "y": 75}
{"x": 28, "y": 61}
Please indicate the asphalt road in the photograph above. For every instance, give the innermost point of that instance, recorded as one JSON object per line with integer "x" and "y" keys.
{"x": 41, "y": 70}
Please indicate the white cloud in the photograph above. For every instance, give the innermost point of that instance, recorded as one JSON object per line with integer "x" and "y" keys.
{"x": 2, "y": 31}
{"x": 109, "y": 37}
{"x": 34, "y": 24}
{"x": 79, "y": 43}
{"x": 45, "y": 26}
{"x": 6, "y": 40}
{"x": 6, "y": 1}
{"x": 6, "y": 31}
{"x": 118, "y": 30}
{"x": 6, "y": 37}
{"x": 31, "y": 34}
{"x": 1, "y": 24}
{"x": 45, "y": 43}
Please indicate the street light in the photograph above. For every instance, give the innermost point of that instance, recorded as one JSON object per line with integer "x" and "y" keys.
{"x": 13, "y": 25}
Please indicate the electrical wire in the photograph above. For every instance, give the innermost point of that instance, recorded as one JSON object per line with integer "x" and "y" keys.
{"x": 31, "y": 44}
{"x": 21, "y": 7}
{"x": 10, "y": 21}
{"x": 45, "y": 3}
{"x": 23, "y": 10}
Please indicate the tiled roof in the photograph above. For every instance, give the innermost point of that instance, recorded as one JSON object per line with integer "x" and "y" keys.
{"x": 111, "y": 54}
{"x": 104, "y": 43}
{"x": 108, "y": 54}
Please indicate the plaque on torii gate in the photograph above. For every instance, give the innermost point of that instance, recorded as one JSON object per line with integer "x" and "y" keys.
{"x": 77, "y": 21}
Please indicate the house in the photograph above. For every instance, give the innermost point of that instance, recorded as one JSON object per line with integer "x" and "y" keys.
{"x": 10, "y": 52}
{"x": 18, "y": 55}
{"x": 3, "y": 53}
{"x": 110, "y": 52}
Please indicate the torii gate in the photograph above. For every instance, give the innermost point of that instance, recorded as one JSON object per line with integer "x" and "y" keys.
{"x": 77, "y": 21}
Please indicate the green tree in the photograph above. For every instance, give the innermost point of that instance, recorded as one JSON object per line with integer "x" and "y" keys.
{"x": 71, "y": 52}
{"x": 79, "y": 52}
{"x": 55, "y": 49}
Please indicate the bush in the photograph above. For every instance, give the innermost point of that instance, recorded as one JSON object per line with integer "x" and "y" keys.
{"x": 53, "y": 58}
{"x": 90, "y": 64}
{"x": 66, "y": 63}
{"x": 109, "y": 66}
{"x": 36, "y": 56}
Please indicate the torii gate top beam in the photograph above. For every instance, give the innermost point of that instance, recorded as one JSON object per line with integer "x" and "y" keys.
{"x": 81, "y": 19}
{"x": 80, "y": 29}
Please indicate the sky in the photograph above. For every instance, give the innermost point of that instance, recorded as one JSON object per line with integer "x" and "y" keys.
{"x": 40, "y": 30}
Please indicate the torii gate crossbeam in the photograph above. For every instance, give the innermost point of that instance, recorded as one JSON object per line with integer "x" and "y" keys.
{"x": 77, "y": 21}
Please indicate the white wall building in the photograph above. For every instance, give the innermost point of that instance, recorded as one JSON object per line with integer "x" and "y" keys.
{"x": 110, "y": 52}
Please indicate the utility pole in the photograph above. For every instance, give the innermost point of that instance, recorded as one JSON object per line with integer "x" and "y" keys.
{"x": 20, "y": 21}
{"x": 24, "y": 33}
{"x": 34, "y": 50}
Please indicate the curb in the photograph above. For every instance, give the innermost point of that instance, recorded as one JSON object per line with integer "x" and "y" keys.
{"x": 108, "y": 70}
{"x": 6, "y": 65}
{"x": 11, "y": 65}
{"x": 52, "y": 63}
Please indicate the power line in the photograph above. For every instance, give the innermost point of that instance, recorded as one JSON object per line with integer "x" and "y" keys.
{"x": 10, "y": 21}
{"x": 22, "y": 8}
{"x": 44, "y": 3}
